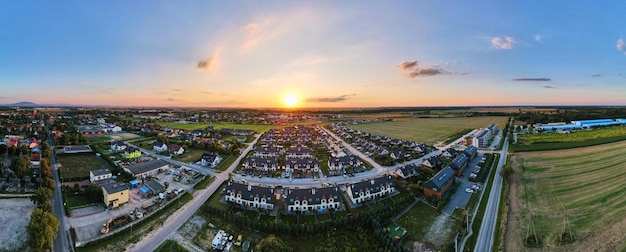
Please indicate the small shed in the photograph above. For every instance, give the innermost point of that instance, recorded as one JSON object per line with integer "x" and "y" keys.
{"x": 144, "y": 190}
{"x": 134, "y": 183}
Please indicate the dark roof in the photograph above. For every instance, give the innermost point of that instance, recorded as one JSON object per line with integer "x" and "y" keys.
{"x": 302, "y": 163}
{"x": 101, "y": 172}
{"x": 313, "y": 196}
{"x": 158, "y": 144}
{"x": 140, "y": 168}
{"x": 452, "y": 151}
{"x": 470, "y": 151}
{"x": 248, "y": 192}
{"x": 345, "y": 160}
{"x": 409, "y": 170}
{"x": 115, "y": 187}
{"x": 103, "y": 182}
{"x": 155, "y": 186}
{"x": 440, "y": 179}
{"x": 209, "y": 157}
{"x": 374, "y": 185}
{"x": 434, "y": 160}
{"x": 459, "y": 162}
{"x": 261, "y": 162}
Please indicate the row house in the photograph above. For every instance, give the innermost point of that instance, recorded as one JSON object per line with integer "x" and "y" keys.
{"x": 302, "y": 164}
{"x": 261, "y": 163}
{"x": 266, "y": 152}
{"x": 373, "y": 189}
{"x": 314, "y": 199}
{"x": 449, "y": 153}
{"x": 248, "y": 196}
{"x": 432, "y": 162}
{"x": 459, "y": 164}
{"x": 299, "y": 152}
{"x": 439, "y": 184}
{"x": 339, "y": 163}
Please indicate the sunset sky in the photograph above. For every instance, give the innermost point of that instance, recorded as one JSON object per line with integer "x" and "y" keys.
{"x": 325, "y": 53}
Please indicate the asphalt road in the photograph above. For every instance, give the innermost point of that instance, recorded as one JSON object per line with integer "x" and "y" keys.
{"x": 60, "y": 243}
{"x": 488, "y": 227}
{"x": 179, "y": 217}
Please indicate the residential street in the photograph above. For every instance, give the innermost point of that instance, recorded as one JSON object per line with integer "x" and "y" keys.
{"x": 60, "y": 243}
{"x": 488, "y": 227}
{"x": 179, "y": 217}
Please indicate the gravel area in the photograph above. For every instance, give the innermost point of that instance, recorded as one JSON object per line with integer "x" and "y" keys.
{"x": 14, "y": 217}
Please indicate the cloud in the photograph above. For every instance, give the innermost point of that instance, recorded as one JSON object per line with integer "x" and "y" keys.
{"x": 532, "y": 79}
{"x": 206, "y": 92}
{"x": 406, "y": 65}
{"x": 171, "y": 99}
{"x": 538, "y": 38}
{"x": 621, "y": 45}
{"x": 548, "y": 86}
{"x": 177, "y": 89}
{"x": 3, "y": 97}
{"x": 210, "y": 63}
{"x": 595, "y": 75}
{"x": 413, "y": 69}
{"x": 107, "y": 90}
{"x": 503, "y": 42}
{"x": 330, "y": 99}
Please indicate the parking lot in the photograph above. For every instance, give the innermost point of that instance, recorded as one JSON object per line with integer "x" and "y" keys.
{"x": 461, "y": 196}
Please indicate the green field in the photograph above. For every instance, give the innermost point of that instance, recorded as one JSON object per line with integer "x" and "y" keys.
{"x": 583, "y": 187}
{"x": 76, "y": 166}
{"x": 428, "y": 130}
{"x": 583, "y": 138}
{"x": 192, "y": 126}
{"x": 425, "y": 224}
{"x": 190, "y": 156}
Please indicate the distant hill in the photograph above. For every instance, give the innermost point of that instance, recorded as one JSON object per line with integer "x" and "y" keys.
{"x": 22, "y": 104}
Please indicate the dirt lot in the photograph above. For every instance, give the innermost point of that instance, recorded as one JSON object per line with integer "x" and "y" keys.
{"x": 581, "y": 187}
{"x": 14, "y": 217}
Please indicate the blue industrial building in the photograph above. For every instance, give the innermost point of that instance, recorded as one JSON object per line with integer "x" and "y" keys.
{"x": 582, "y": 124}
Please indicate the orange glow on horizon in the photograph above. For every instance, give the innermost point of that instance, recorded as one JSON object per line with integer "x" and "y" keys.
{"x": 291, "y": 100}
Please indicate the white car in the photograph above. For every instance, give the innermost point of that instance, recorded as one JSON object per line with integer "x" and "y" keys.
{"x": 468, "y": 190}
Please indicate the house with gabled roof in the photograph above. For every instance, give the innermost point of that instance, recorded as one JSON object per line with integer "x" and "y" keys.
{"x": 261, "y": 163}
{"x": 440, "y": 183}
{"x": 399, "y": 154}
{"x": 248, "y": 196}
{"x": 302, "y": 164}
{"x": 449, "y": 153}
{"x": 407, "y": 171}
{"x": 266, "y": 152}
{"x": 118, "y": 145}
{"x": 314, "y": 199}
{"x": 210, "y": 160}
{"x": 146, "y": 169}
{"x": 159, "y": 146}
{"x": 339, "y": 163}
{"x": 176, "y": 149}
{"x": 299, "y": 152}
{"x": 371, "y": 189}
{"x": 432, "y": 162}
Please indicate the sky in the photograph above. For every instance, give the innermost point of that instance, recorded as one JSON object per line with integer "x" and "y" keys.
{"x": 325, "y": 53}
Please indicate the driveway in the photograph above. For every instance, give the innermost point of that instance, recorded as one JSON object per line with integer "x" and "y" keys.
{"x": 460, "y": 197}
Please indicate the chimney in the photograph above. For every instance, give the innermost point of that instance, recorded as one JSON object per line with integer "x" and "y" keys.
{"x": 249, "y": 188}
{"x": 313, "y": 191}
{"x": 372, "y": 182}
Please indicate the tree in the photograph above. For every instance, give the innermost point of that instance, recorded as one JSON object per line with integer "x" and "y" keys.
{"x": 42, "y": 229}
{"x": 45, "y": 169}
{"x": 162, "y": 139}
{"x": 20, "y": 166}
{"x": 41, "y": 196}
{"x": 3, "y": 149}
{"x": 49, "y": 183}
{"x": 44, "y": 146}
{"x": 94, "y": 192}
{"x": 46, "y": 154}
{"x": 13, "y": 150}
{"x": 24, "y": 149}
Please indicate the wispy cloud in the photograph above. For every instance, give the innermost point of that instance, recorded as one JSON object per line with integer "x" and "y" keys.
{"x": 621, "y": 45}
{"x": 330, "y": 99}
{"x": 413, "y": 70}
{"x": 210, "y": 63}
{"x": 206, "y": 92}
{"x": 548, "y": 86}
{"x": 532, "y": 79}
{"x": 538, "y": 38}
{"x": 171, "y": 99}
{"x": 177, "y": 89}
{"x": 503, "y": 42}
{"x": 107, "y": 90}
{"x": 595, "y": 75}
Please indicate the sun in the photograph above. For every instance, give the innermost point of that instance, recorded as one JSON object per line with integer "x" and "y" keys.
{"x": 291, "y": 100}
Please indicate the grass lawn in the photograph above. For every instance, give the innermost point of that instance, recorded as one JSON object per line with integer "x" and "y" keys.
{"x": 425, "y": 224}
{"x": 428, "y": 130}
{"x": 170, "y": 246}
{"x": 79, "y": 200}
{"x": 214, "y": 200}
{"x": 226, "y": 162}
{"x": 584, "y": 184}
{"x": 74, "y": 166}
{"x": 190, "y": 156}
{"x": 98, "y": 139}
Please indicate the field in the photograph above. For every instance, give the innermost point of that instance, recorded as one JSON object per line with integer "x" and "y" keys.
{"x": 425, "y": 224}
{"x": 192, "y": 126}
{"x": 14, "y": 217}
{"x": 76, "y": 166}
{"x": 581, "y": 190}
{"x": 553, "y": 141}
{"x": 190, "y": 156}
{"x": 428, "y": 130}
